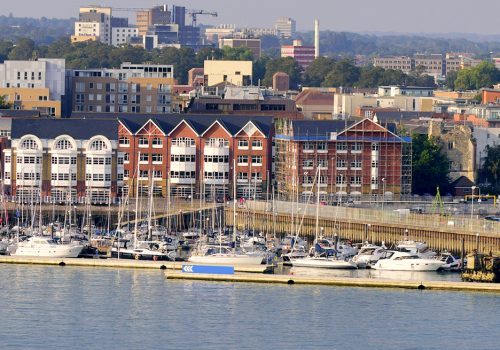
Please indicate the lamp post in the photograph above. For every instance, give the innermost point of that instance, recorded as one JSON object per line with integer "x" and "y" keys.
{"x": 383, "y": 192}
{"x": 473, "y": 188}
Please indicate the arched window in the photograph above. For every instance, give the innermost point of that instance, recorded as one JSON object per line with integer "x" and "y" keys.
{"x": 29, "y": 144}
{"x": 64, "y": 144}
{"x": 98, "y": 145}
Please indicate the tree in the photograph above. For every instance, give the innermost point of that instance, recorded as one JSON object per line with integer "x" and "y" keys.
{"x": 483, "y": 75}
{"x": 23, "y": 50}
{"x": 344, "y": 73}
{"x": 430, "y": 166}
{"x": 3, "y": 103}
{"x": 284, "y": 64}
{"x": 490, "y": 172}
{"x": 318, "y": 70}
{"x": 236, "y": 54}
{"x": 450, "y": 79}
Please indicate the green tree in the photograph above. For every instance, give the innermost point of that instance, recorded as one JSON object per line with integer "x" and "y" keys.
{"x": 5, "y": 49}
{"x": 3, "y": 103}
{"x": 430, "y": 166}
{"x": 450, "y": 79}
{"x": 483, "y": 75}
{"x": 491, "y": 168}
{"x": 182, "y": 59}
{"x": 284, "y": 64}
{"x": 236, "y": 54}
{"x": 318, "y": 70}
{"x": 344, "y": 73}
{"x": 23, "y": 50}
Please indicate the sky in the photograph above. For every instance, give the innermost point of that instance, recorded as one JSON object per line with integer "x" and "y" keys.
{"x": 399, "y": 16}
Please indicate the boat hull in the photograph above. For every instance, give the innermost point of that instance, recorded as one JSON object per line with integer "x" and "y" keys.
{"x": 227, "y": 259}
{"x": 323, "y": 263}
{"x": 56, "y": 252}
{"x": 419, "y": 266}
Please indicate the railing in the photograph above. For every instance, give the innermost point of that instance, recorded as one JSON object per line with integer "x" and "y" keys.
{"x": 442, "y": 223}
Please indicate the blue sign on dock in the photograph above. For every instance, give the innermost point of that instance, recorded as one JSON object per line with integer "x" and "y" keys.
{"x": 213, "y": 270}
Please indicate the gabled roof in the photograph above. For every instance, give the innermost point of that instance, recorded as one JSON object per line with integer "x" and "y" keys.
{"x": 391, "y": 127}
{"x": 155, "y": 123}
{"x": 186, "y": 122}
{"x": 79, "y": 129}
{"x": 252, "y": 123}
{"x": 463, "y": 182}
{"x": 312, "y": 97}
{"x": 219, "y": 122}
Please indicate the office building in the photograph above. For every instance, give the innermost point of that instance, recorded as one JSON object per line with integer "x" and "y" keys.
{"x": 133, "y": 88}
{"x": 94, "y": 23}
{"x": 286, "y": 27}
{"x": 304, "y": 55}
{"x": 232, "y": 72}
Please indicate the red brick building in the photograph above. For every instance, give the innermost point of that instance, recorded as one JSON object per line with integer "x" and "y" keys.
{"x": 351, "y": 159}
{"x": 189, "y": 155}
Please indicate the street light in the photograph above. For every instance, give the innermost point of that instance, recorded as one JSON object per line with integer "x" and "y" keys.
{"x": 383, "y": 192}
{"x": 473, "y": 188}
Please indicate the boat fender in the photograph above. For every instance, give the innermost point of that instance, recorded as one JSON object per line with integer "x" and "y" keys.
{"x": 137, "y": 257}
{"x": 62, "y": 263}
{"x": 163, "y": 267}
{"x": 169, "y": 240}
{"x": 421, "y": 287}
{"x": 290, "y": 281}
{"x": 155, "y": 258}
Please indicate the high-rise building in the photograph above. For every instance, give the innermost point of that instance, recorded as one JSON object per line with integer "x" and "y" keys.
{"x": 148, "y": 18}
{"x": 253, "y": 45}
{"x": 94, "y": 23}
{"x": 304, "y": 55}
{"x": 232, "y": 72}
{"x": 286, "y": 27}
{"x": 133, "y": 88}
{"x": 34, "y": 85}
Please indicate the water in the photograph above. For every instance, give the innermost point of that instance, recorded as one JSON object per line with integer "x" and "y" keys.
{"x": 44, "y": 307}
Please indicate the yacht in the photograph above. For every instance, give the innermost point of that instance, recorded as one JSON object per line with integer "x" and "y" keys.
{"x": 325, "y": 258}
{"x": 143, "y": 251}
{"x": 451, "y": 262}
{"x": 368, "y": 255}
{"x": 405, "y": 261}
{"x": 224, "y": 255}
{"x": 48, "y": 248}
{"x": 419, "y": 248}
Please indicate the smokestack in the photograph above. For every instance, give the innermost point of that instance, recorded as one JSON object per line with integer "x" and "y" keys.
{"x": 316, "y": 38}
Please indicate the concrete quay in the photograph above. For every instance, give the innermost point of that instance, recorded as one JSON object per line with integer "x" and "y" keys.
{"x": 116, "y": 263}
{"x": 337, "y": 281}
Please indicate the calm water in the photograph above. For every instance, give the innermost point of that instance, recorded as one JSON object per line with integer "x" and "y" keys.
{"x": 85, "y": 308}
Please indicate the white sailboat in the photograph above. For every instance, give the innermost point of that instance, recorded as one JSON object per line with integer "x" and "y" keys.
{"x": 322, "y": 258}
{"x": 223, "y": 255}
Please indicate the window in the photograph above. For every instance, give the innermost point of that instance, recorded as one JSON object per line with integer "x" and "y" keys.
{"x": 216, "y": 159}
{"x": 107, "y": 177}
{"x": 242, "y": 176}
{"x": 308, "y": 146}
{"x": 355, "y": 180}
{"x": 124, "y": 141}
{"x": 80, "y": 87}
{"x": 156, "y": 157}
{"x": 341, "y": 163}
{"x": 341, "y": 146}
{"x": 243, "y": 160}
{"x": 108, "y": 160}
{"x": 322, "y": 146}
{"x": 323, "y": 163}
{"x": 374, "y": 180}
{"x": 98, "y": 145}
{"x": 256, "y": 176}
{"x": 63, "y": 144}
{"x": 451, "y": 145}
{"x": 256, "y": 160}
{"x": 88, "y": 160}
{"x": 157, "y": 142}
{"x": 357, "y": 147}
{"x": 120, "y": 161}
{"x": 217, "y": 142}
{"x": 126, "y": 157}
{"x": 183, "y": 142}
{"x": 144, "y": 157}
{"x": 98, "y": 160}
{"x": 374, "y": 163}
{"x": 119, "y": 177}
{"x": 7, "y": 159}
{"x": 64, "y": 160}
{"x": 307, "y": 163}
{"x": 126, "y": 173}
{"x": 143, "y": 142}
{"x": 340, "y": 180}
{"x": 356, "y": 163}
{"x": 182, "y": 158}
{"x": 257, "y": 144}
{"x": 158, "y": 174}
{"x": 375, "y": 146}
{"x": 243, "y": 144}
{"x": 98, "y": 177}
{"x": 29, "y": 144}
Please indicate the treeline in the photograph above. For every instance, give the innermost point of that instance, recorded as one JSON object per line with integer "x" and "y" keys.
{"x": 351, "y": 44}
{"x": 40, "y": 30}
{"x": 323, "y": 72}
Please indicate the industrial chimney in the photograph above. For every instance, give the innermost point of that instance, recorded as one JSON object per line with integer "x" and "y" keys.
{"x": 316, "y": 38}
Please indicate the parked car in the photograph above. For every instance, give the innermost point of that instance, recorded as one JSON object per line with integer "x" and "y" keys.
{"x": 492, "y": 218}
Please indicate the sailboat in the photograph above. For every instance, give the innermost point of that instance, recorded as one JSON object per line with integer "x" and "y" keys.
{"x": 322, "y": 257}
{"x": 222, "y": 254}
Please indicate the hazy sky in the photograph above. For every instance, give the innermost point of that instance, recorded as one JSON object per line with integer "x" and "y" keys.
{"x": 429, "y": 16}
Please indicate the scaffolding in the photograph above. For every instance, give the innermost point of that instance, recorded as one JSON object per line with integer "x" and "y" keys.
{"x": 359, "y": 161}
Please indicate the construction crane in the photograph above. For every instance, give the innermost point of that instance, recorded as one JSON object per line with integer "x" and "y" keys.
{"x": 194, "y": 13}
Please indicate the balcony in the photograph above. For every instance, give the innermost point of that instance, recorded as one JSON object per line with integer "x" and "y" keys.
{"x": 216, "y": 167}
{"x": 183, "y": 166}
{"x": 216, "y": 181}
{"x": 182, "y": 149}
{"x": 182, "y": 181}
{"x": 216, "y": 151}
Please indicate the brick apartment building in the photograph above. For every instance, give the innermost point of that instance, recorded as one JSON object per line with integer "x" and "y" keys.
{"x": 354, "y": 159}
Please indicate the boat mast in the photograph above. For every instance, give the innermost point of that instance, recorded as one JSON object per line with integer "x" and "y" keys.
{"x": 234, "y": 205}
{"x": 317, "y": 201}
{"x": 136, "y": 201}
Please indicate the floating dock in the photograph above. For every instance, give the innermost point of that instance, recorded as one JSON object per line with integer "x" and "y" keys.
{"x": 117, "y": 263}
{"x": 336, "y": 281}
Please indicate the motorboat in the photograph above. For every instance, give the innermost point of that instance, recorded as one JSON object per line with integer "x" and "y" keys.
{"x": 323, "y": 262}
{"x": 451, "y": 262}
{"x": 122, "y": 249}
{"x": 224, "y": 255}
{"x": 48, "y": 248}
{"x": 419, "y": 248}
{"x": 405, "y": 261}
{"x": 368, "y": 255}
